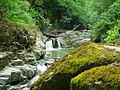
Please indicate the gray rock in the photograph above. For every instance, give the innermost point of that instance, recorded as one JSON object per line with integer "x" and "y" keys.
{"x": 15, "y": 76}
{"x": 21, "y": 55}
{"x": 5, "y": 59}
{"x": 14, "y": 88}
{"x": 31, "y": 61}
{"x": 29, "y": 55}
{"x": 39, "y": 53}
{"x": 27, "y": 71}
{"x": 39, "y": 48}
{"x": 73, "y": 38}
{"x": 4, "y": 87}
{"x": 3, "y": 55}
{"x": 17, "y": 62}
{"x": 34, "y": 69}
{"x": 45, "y": 38}
{"x": 39, "y": 40}
{"x": 5, "y": 75}
{"x": 4, "y": 80}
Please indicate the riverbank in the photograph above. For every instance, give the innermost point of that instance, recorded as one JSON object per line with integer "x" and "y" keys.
{"x": 18, "y": 66}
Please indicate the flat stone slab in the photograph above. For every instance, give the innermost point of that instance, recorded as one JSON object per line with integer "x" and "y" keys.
{"x": 4, "y": 80}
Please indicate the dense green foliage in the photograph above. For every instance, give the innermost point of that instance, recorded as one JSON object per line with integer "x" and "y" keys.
{"x": 102, "y": 16}
{"x": 16, "y": 11}
{"x": 63, "y": 14}
{"x": 104, "y": 19}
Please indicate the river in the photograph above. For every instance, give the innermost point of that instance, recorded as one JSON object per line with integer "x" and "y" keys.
{"x": 51, "y": 54}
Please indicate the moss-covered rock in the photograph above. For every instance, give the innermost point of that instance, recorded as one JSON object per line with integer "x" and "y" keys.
{"x": 15, "y": 35}
{"x": 98, "y": 78}
{"x": 83, "y": 57}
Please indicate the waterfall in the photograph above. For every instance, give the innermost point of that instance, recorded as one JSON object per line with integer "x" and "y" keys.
{"x": 59, "y": 45}
{"x": 49, "y": 45}
{"x": 53, "y": 43}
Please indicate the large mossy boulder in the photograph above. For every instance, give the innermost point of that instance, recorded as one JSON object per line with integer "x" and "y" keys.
{"x": 98, "y": 78}
{"x": 84, "y": 57}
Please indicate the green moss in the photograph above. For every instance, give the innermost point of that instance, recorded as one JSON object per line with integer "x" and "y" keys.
{"x": 83, "y": 57}
{"x": 98, "y": 78}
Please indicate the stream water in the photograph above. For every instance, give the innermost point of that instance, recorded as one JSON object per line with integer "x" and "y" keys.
{"x": 51, "y": 54}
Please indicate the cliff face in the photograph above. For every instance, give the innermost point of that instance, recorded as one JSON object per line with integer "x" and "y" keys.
{"x": 85, "y": 56}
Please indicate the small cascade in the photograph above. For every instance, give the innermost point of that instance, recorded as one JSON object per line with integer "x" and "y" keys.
{"x": 49, "y": 45}
{"x": 59, "y": 45}
{"x": 53, "y": 44}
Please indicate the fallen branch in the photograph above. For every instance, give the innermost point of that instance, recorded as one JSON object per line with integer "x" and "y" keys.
{"x": 76, "y": 27}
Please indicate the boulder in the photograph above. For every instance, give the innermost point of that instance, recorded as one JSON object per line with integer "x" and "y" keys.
{"x": 4, "y": 87}
{"x": 98, "y": 78}
{"x": 15, "y": 76}
{"x": 39, "y": 40}
{"x": 17, "y": 62}
{"x": 31, "y": 61}
{"x": 10, "y": 75}
{"x": 27, "y": 71}
{"x": 5, "y": 59}
{"x": 73, "y": 38}
{"x": 84, "y": 57}
{"x": 4, "y": 80}
{"x": 39, "y": 46}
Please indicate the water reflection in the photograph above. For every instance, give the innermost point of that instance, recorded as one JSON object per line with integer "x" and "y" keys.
{"x": 51, "y": 54}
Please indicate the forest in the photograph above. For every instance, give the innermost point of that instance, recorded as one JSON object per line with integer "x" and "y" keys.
{"x": 59, "y": 44}
{"x": 99, "y": 16}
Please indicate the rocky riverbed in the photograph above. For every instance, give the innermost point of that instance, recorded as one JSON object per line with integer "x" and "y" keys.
{"x": 18, "y": 66}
